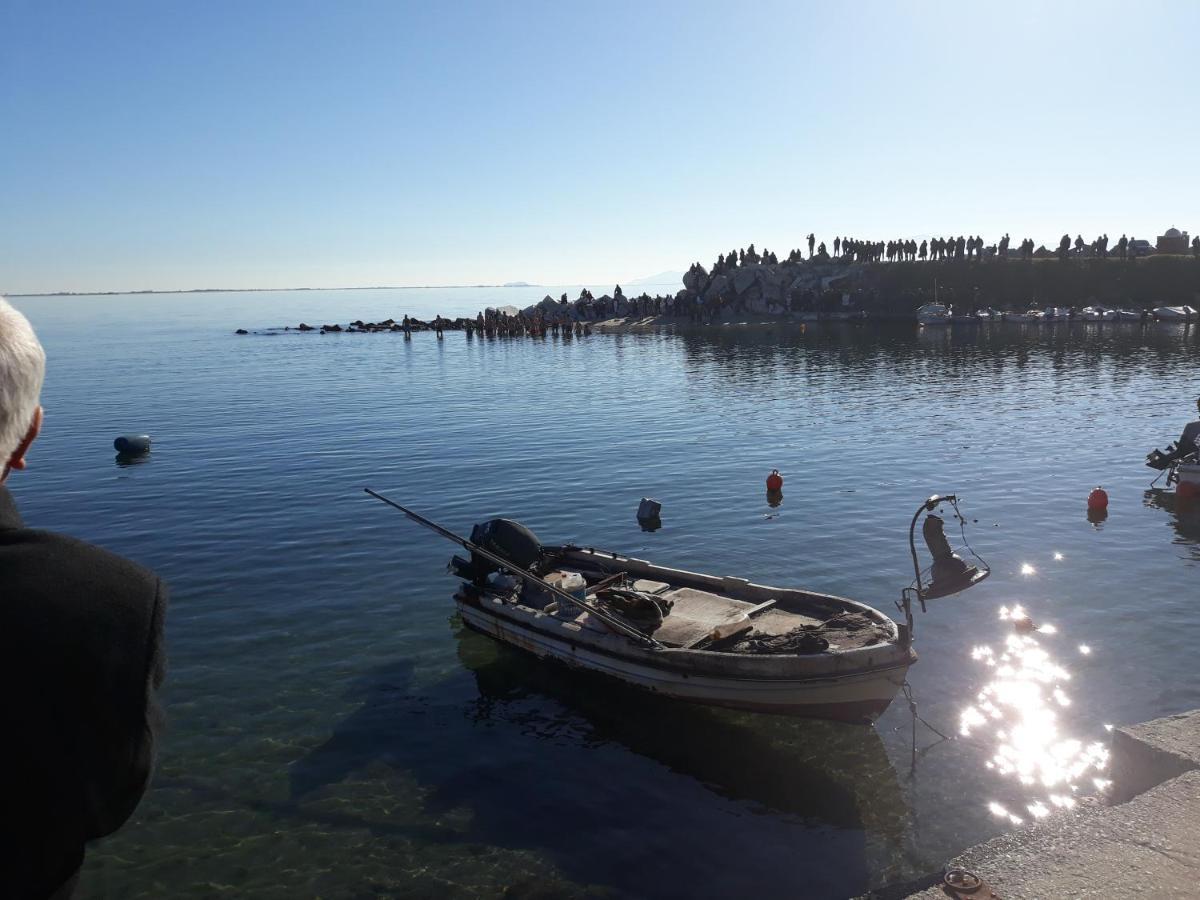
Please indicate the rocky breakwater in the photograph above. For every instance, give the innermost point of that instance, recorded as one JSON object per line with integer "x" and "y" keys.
{"x": 756, "y": 288}
{"x": 766, "y": 288}
{"x": 358, "y": 326}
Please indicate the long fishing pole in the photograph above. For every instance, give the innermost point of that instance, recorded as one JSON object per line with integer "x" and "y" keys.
{"x": 608, "y": 619}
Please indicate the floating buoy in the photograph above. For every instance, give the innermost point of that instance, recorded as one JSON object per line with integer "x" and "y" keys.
{"x": 1097, "y": 499}
{"x": 648, "y": 510}
{"x": 774, "y": 481}
{"x": 132, "y": 444}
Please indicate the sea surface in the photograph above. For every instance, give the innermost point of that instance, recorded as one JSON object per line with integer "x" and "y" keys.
{"x": 335, "y": 732}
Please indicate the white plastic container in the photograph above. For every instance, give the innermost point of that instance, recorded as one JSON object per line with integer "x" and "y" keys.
{"x": 571, "y": 582}
{"x": 574, "y": 584}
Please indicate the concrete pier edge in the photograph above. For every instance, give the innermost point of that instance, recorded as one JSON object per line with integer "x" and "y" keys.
{"x": 1140, "y": 841}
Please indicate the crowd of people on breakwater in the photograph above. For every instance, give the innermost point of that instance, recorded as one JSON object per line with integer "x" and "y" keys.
{"x": 747, "y": 281}
{"x": 854, "y": 250}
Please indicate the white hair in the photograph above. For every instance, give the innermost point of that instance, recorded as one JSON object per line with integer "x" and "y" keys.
{"x": 22, "y": 368}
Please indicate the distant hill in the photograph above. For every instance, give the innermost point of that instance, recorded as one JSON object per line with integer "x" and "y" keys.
{"x": 518, "y": 284}
{"x": 661, "y": 278}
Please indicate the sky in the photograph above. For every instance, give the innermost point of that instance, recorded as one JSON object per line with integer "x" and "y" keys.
{"x": 265, "y": 144}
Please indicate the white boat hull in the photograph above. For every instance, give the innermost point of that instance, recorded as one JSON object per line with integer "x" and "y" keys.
{"x": 854, "y": 697}
{"x": 1175, "y": 314}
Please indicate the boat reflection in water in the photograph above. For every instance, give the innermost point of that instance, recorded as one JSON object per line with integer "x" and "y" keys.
{"x": 612, "y": 786}
{"x": 1185, "y": 516}
{"x": 772, "y": 775}
{"x": 1017, "y": 713}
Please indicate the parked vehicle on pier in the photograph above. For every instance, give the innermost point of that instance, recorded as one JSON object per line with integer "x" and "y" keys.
{"x": 1175, "y": 314}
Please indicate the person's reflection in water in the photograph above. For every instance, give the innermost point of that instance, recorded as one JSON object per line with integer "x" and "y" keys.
{"x": 622, "y": 788}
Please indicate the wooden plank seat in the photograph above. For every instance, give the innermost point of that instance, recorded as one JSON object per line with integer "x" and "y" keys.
{"x": 696, "y": 614}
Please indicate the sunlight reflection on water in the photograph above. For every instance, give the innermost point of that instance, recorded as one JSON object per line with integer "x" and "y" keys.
{"x": 1020, "y": 707}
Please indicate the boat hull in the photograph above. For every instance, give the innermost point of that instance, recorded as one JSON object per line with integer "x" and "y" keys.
{"x": 1189, "y": 473}
{"x": 858, "y": 697}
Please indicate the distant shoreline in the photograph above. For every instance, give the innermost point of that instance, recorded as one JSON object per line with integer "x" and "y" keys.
{"x": 378, "y": 287}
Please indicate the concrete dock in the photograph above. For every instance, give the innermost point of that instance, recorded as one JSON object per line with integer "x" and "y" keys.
{"x": 1143, "y": 840}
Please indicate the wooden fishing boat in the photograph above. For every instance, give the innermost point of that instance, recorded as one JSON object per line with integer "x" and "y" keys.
{"x": 717, "y": 640}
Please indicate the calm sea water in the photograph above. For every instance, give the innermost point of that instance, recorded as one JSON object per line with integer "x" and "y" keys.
{"x": 335, "y": 732}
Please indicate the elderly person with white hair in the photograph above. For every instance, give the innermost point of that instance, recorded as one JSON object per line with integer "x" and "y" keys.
{"x": 81, "y": 657}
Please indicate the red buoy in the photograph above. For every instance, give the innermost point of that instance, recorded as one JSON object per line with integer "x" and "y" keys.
{"x": 1187, "y": 490}
{"x": 774, "y": 481}
{"x": 1098, "y": 499}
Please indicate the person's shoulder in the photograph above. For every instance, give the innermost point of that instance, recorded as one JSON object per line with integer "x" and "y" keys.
{"x": 69, "y": 559}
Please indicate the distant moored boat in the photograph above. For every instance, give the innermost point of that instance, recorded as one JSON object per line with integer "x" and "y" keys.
{"x": 1028, "y": 317}
{"x": 933, "y": 314}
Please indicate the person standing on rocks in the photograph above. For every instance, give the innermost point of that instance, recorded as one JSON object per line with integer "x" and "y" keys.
{"x": 811, "y": 241}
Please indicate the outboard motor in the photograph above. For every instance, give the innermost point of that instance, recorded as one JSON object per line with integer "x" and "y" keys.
{"x": 503, "y": 537}
{"x": 1164, "y": 459}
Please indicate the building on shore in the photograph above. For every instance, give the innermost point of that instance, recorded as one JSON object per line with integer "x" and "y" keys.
{"x": 1173, "y": 241}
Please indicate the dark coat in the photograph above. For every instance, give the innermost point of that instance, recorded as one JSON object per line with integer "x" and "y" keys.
{"x": 81, "y": 656}
{"x": 1189, "y": 441}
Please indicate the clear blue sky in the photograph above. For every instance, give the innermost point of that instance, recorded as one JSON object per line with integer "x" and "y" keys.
{"x": 266, "y": 144}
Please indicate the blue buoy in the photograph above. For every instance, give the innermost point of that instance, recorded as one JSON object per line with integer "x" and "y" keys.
{"x": 132, "y": 444}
